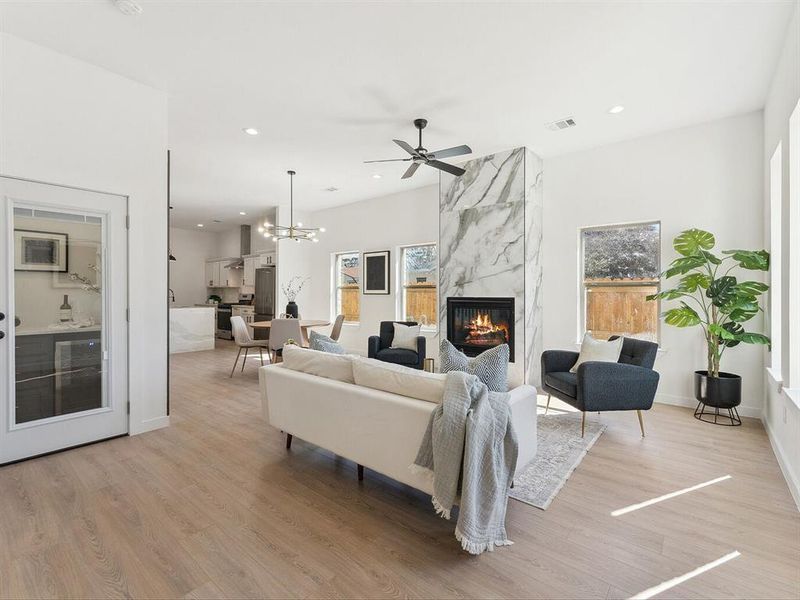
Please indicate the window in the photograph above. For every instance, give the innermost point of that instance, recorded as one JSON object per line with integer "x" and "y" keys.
{"x": 347, "y": 278}
{"x": 621, "y": 266}
{"x": 794, "y": 248}
{"x": 775, "y": 313}
{"x": 418, "y": 281}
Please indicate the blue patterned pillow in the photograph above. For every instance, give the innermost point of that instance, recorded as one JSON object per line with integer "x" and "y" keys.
{"x": 491, "y": 366}
{"x": 323, "y": 343}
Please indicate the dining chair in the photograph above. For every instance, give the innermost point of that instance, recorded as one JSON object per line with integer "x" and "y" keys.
{"x": 283, "y": 330}
{"x": 337, "y": 328}
{"x": 241, "y": 336}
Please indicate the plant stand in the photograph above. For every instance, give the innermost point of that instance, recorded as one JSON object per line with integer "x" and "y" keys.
{"x": 732, "y": 418}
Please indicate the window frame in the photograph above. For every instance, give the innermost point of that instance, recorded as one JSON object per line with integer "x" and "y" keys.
{"x": 336, "y": 288}
{"x": 776, "y": 253}
{"x": 401, "y": 283}
{"x": 582, "y": 287}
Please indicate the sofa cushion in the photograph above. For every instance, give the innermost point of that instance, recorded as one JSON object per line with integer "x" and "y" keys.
{"x": 405, "y": 336}
{"x": 398, "y": 379}
{"x": 323, "y": 364}
{"x": 399, "y": 356}
{"x": 387, "y": 331}
{"x": 564, "y": 382}
{"x": 597, "y": 350}
{"x": 490, "y": 366}
{"x": 319, "y": 341}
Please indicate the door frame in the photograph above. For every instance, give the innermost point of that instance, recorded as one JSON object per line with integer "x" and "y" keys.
{"x": 127, "y": 386}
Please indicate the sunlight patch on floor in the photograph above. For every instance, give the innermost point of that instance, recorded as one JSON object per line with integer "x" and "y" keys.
{"x": 633, "y": 507}
{"x": 671, "y": 583}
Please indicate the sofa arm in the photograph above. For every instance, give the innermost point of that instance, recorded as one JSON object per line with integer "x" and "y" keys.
{"x": 616, "y": 386}
{"x": 373, "y": 345}
{"x": 421, "y": 352}
{"x": 557, "y": 361}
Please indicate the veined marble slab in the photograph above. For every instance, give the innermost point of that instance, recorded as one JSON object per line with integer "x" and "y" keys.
{"x": 490, "y": 232}
{"x": 192, "y": 329}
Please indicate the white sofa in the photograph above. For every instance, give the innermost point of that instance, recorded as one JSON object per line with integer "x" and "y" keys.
{"x": 376, "y": 429}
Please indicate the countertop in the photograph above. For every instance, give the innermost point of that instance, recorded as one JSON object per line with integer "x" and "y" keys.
{"x": 19, "y": 331}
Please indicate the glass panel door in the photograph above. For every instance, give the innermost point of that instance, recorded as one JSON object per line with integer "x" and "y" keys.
{"x": 65, "y": 295}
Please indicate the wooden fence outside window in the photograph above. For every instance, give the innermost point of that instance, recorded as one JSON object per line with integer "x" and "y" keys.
{"x": 420, "y": 303}
{"x": 619, "y": 307}
{"x": 350, "y": 302}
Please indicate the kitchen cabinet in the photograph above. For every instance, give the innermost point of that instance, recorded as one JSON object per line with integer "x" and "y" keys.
{"x": 267, "y": 258}
{"x": 219, "y": 276}
{"x": 251, "y": 263}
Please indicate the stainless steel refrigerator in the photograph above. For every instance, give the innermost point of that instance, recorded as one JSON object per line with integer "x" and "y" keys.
{"x": 264, "y": 299}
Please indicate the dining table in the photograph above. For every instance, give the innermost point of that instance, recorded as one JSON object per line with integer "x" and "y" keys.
{"x": 305, "y": 324}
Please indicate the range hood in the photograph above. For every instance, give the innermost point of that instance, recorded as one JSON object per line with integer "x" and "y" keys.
{"x": 244, "y": 248}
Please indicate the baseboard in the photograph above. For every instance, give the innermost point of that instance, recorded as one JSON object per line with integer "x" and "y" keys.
{"x": 777, "y": 450}
{"x": 744, "y": 411}
{"x": 149, "y": 425}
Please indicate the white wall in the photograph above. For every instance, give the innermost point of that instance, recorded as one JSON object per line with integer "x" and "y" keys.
{"x": 187, "y": 274}
{"x": 708, "y": 176}
{"x": 383, "y": 223}
{"x": 65, "y": 121}
{"x": 781, "y": 414}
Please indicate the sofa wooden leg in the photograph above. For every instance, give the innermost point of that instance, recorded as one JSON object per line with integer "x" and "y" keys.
{"x": 288, "y": 441}
{"x": 583, "y": 423}
{"x": 546, "y": 408}
{"x": 641, "y": 422}
{"x": 361, "y": 472}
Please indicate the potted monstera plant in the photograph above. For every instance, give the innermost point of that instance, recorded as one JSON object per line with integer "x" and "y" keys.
{"x": 711, "y": 296}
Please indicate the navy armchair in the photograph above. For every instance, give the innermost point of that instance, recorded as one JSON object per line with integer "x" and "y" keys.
{"x": 379, "y": 346}
{"x": 629, "y": 384}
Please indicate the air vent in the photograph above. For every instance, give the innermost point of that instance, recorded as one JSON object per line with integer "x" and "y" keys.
{"x": 564, "y": 123}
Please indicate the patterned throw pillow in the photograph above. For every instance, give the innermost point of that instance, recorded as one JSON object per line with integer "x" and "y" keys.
{"x": 491, "y": 366}
{"x": 323, "y": 343}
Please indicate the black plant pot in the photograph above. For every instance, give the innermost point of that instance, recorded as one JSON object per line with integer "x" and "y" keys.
{"x": 723, "y": 392}
{"x": 291, "y": 309}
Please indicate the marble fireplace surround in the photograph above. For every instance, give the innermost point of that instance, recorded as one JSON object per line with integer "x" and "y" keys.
{"x": 490, "y": 240}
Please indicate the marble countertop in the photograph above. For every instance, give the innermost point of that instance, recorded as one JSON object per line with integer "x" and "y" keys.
{"x": 53, "y": 330}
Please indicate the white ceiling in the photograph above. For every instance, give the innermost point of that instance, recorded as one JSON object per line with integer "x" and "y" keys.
{"x": 330, "y": 84}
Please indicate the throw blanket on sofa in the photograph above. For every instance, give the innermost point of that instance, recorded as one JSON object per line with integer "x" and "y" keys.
{"x": 470, "y": 440}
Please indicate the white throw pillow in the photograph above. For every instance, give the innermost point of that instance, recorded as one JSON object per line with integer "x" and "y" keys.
{"x": 398, "y": 379}
{"x": 323, "y": 364}
{"x": 405, "y": 336}
{"x": 597, "y": 350}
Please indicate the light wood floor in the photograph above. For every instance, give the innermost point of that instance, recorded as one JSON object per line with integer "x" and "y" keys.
{"x": 215, "y": 506}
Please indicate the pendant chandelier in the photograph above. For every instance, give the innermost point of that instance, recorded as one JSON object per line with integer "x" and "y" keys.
{"x": 295, "y": 231}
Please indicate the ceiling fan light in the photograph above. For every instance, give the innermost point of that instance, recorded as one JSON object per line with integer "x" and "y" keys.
{"x": 260, "y": 230}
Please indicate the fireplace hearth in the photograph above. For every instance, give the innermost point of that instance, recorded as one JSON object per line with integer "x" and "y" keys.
{"x": 477, "y": 324}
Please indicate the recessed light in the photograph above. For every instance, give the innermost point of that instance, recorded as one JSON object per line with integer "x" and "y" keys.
{"x": 377, "y": 176}
{"x": 615, "y": 110}
{"x": 241, "y": 212}
{"x": 250, "y": 130}
{"x": 199, "y": 224}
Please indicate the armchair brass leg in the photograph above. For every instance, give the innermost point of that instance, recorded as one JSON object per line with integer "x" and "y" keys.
{"x": 641, "y": 422}
{"x": 583, "y": 423}
{"x": 546, "y": 408}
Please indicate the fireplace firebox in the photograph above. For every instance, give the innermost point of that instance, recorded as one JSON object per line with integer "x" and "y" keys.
{"x": 477, "y": 324}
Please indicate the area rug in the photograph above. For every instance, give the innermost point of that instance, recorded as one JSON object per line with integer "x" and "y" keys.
{"x": 560, "y": 450}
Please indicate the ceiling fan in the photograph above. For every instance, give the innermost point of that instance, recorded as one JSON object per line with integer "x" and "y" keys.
{"x": 420, "y": 156}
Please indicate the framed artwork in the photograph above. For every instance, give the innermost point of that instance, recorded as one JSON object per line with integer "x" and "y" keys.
{"x": 40, "y": 251}
{"x": 376, "y": 273}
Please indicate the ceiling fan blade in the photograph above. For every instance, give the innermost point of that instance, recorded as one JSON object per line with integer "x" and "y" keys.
{"x": 389, "y": 160}
{"x": 407, "y": 147}
{"x": 411, "y": 170}
{"x": 447, "y": 152}
{"x": 442, "y": 166}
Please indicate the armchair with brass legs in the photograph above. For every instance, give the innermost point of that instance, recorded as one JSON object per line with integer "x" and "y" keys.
{"x": 629, "y": 384}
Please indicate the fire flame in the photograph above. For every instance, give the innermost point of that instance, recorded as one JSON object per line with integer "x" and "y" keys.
{"x": 482, "y": 329}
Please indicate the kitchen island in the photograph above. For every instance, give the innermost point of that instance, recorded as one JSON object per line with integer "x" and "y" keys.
{"x": 191, "y": 328}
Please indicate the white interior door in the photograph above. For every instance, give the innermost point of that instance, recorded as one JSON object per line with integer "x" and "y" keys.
{"x": 63, "y": 300}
